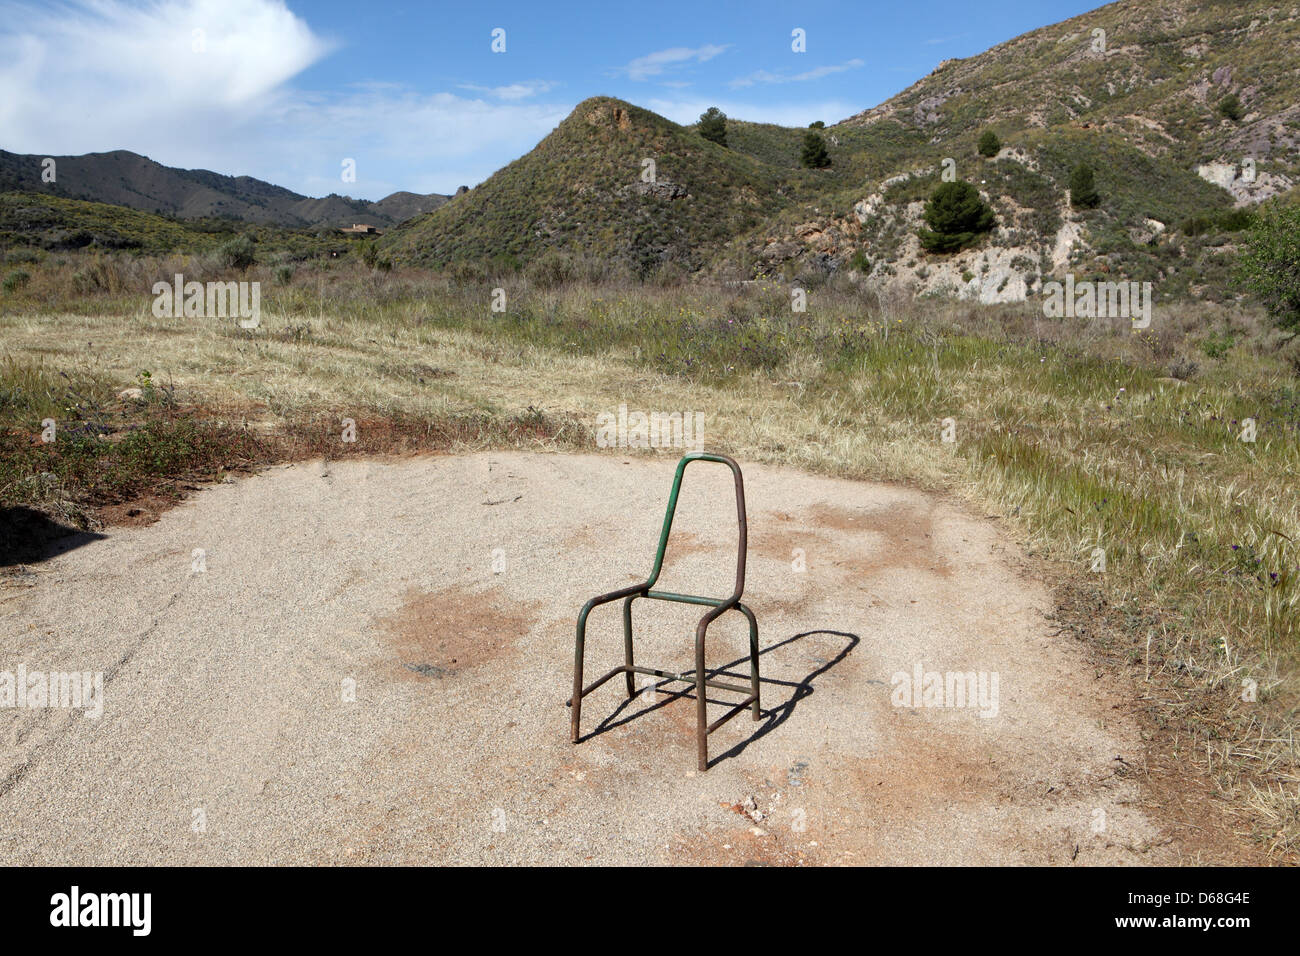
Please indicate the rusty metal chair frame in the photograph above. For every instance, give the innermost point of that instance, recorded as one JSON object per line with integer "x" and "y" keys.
{"x": 717, "y": 607}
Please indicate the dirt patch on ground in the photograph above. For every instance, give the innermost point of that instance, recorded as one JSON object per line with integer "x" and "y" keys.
{"x": 782, "y": 542}
{"x": 1203, "y": 823}
{"x": 438, "y": 633}
{"x": 652, "y": 727}
{"x": 908, "y": 534}
{"x": 819, "y": 536}
{"x": 582, "y": 539}
{"x": 924, "y": 772}
{"x": 783, "y": 608}
{"x": 144, "y": 510}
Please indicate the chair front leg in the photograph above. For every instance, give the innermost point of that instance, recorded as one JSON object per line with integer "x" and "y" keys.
{"x": 701, "y": 698}
{"x": 575, "y": 715}
{"x": 627, "y": 645}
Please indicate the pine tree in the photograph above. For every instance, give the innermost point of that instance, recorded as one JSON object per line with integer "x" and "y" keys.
{"x": 713, "y": 125}
{"x": 814, "y": 154}
{"x": 989, "y": 144}
{"x": 956, "y": 216}
{"x": 1083, "y": 191}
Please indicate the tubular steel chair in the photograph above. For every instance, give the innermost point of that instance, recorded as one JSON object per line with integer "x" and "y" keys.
{"x": 717, "y": 606}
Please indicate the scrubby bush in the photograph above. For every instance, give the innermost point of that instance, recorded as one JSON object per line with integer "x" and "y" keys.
{"x": 1230, "y": 220}
{"x": 465, "y": 272}
{"x": 1218, "y": 343}
{"x": 989, "y": 144}
{"x": 1270, "y": 264}
{"x": 16, "y": 280}
{"x": 238, "y": 253}
{"x": 859, "y": 262}
{"x": 551, "y": 269}
{"x": 1230, "y": 106}
{"x": 1235, "y": 220}
{"x": 1083, "y": 188}
{"x": 371, "y": 257}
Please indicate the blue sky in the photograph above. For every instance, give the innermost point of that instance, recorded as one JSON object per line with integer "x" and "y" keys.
{"x": 413, "y": 92}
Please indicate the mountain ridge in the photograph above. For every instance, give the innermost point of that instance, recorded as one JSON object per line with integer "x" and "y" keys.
{"x": 125, "y": 178}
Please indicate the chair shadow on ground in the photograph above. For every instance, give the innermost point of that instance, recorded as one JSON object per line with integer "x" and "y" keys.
{"x": 770, "y": 718}
{"x": 28, "y": 536}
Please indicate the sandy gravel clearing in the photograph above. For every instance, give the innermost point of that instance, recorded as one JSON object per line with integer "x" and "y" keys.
{"x": 226, "y": 736}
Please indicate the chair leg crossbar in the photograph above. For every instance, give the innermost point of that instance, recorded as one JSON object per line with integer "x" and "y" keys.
{"x": 717, "y": 607}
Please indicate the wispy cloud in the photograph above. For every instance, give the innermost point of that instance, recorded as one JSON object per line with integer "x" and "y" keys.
{"x": 654, "y": 64}
{"x": 763, "y": 76}
{"x": 424, "y": 142}
{"x": 934, "y": 41}
{"x": 688, "y": 110}
{"x": 513, "y": 91}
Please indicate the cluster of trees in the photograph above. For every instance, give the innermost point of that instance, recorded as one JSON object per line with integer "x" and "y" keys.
{"x": 957, "y": 216}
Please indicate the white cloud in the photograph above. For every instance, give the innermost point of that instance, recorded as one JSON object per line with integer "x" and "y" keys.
{"x": 95, "y": 75}
{"x": 653, "y": 64}
{"x": 763, "y": 76}
{"x": 105, "y": 66}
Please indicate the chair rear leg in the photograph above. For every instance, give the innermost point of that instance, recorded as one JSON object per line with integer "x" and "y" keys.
{"x": 753, "y": 659}
{"x": 701, "y": 702}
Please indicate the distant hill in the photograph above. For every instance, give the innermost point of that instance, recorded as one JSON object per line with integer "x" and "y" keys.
{"x": 42, "y": 221}
{"x": 127, "y": 179}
